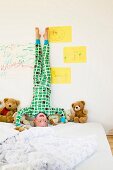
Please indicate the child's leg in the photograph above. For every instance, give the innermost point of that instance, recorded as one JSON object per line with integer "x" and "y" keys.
{"x": 46, "y": 75}
{"x": 36, "y": 78}
{"x": 38, "y": 58}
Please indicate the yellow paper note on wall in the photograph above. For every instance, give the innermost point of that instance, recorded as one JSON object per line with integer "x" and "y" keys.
{"x": 75, "y": 54}
{"x": 60, "y": 34}
{"x": 60, "y": 75}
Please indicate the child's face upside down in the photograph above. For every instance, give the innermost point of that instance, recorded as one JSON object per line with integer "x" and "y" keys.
{"x": 41, "y": 120}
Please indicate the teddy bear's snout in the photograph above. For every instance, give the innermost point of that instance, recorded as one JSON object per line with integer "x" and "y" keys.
{"x": 9, "y": 105}
{"x": 77, "y": 108}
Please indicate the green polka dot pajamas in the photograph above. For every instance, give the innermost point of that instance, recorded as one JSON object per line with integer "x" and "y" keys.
{"x": 42, "y": 86}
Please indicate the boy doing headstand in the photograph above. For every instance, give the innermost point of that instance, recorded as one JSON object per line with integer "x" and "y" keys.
{"x": 42, "y": 82}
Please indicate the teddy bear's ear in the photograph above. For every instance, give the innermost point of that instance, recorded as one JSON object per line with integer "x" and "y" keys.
{"x": 72, "y": 105}
{"x": 5, "y": 100}
{"x": 83, "y": 102}
{"x": 18, "y": 102}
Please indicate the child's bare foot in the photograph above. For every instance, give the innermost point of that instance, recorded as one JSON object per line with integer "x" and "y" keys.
{"x": 37, "y": 33}
{"x": 46, "y": 34}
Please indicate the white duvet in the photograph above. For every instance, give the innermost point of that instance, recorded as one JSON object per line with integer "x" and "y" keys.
{"x": 41, "y": 149}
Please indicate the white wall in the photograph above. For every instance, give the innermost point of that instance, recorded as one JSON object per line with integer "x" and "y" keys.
{"x": 92, "y": 23}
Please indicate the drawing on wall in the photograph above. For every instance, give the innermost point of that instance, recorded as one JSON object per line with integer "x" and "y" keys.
{"x": 75, "y": 54}
{"x": 14, "y": 55}
{"x": 61, "y": 75}
{"x": 60, "y": 34}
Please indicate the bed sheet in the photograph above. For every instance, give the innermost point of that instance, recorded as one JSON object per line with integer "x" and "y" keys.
{"x": 101, "y": 160}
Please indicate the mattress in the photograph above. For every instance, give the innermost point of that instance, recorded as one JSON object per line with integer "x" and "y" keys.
{"x": 101, "y": 160}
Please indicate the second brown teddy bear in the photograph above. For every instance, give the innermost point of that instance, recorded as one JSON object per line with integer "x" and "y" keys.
{"x": 79, "y": 114}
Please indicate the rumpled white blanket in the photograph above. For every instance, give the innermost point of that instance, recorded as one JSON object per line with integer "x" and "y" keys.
{"x": 40, "y": 149}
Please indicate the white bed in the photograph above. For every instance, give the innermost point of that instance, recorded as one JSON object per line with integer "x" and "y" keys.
{"x": 101, "y": 160}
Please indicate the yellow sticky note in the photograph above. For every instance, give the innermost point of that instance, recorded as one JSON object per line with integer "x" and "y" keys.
{"x": 60, "y": 34}
{"x": 75, "y": 54}
{"x": 60, "y": 75}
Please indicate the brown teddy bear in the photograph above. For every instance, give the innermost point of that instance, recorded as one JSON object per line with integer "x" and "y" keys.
{"x": 79, "y": 114}
{"x": 6, "y": 113}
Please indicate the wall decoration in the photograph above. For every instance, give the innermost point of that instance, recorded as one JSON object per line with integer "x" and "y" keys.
{"x": 60, "y": 34}
{"x": 75, "y": 54}
{"x": 61, "y": 75}
{"x": 14, "y": 55}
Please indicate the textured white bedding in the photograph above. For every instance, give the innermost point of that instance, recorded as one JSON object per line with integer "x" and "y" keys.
{"x": 101, "y": 160}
